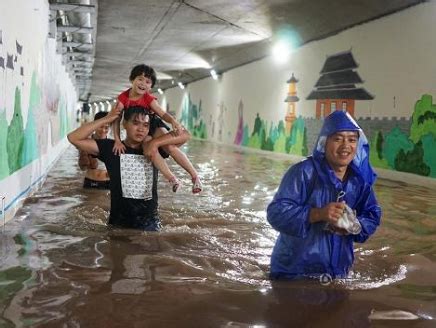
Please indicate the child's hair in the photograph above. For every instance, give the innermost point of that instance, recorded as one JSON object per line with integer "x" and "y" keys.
{"x": 100, "y": 115}
{"x": 131, "y": 112}
{"x": 148, "y": 71}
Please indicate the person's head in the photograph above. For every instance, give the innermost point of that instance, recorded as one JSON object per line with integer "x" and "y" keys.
{"x": 102, "y": 131}
{"x": 340, "y": 148}
{"x": 342, "y": 142}
{"x": 136, "y": 121}
{"x": 143, "y": 78}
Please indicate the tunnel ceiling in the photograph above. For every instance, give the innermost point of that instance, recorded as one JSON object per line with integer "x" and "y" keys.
{"x": 183, "y": 40}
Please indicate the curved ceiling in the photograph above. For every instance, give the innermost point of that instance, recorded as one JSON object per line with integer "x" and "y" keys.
{"x": 183, "y": 40}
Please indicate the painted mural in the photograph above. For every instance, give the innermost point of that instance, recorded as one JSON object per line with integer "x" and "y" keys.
{"x": 391, "y": 95}
{"x": 336, "y": 88}
{"x": 192, "y": 118}
{"x": 24, "y": 134}
{"x": 413, "y": 151}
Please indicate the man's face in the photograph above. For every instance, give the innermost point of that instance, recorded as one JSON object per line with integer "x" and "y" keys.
{"x": 137, "y": 127}
{"x": 340, "y": 148}
{"x": 141, "y": 85}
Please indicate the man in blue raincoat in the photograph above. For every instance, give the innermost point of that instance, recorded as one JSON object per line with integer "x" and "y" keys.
{"x": 308, "y": 201}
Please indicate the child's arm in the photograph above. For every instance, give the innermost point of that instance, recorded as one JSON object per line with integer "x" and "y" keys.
{"x": 119, "y": 147}
{"x": 155, "y": 107}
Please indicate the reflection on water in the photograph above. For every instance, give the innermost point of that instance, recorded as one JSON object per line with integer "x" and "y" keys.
{"x": 61, "y": 265}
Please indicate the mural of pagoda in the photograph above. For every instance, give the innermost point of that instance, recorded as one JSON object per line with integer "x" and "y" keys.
{"x": 336, "y": 88}
{"x": 291, "y": 99}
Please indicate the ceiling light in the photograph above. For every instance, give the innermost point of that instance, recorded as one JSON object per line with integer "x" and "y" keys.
{"x": 181, "y": 86}
{"x": 214, "y": 74}
{"x": 281, "y": 51}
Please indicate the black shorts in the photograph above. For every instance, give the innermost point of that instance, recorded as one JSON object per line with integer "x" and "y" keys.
{"x": 94, "y": 184}
{"x": 155, "y": 123}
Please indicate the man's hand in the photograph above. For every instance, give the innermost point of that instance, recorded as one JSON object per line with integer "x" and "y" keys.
{"x": 329, "y": 213}
{"x": 332, "y": 212}
{"x": 178, "y": 128}
{"x": 118, "y": 148}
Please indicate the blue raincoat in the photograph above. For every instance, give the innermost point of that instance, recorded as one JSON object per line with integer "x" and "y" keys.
{"x": 307, "y": 250}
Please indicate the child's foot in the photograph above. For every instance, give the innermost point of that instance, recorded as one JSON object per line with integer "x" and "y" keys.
{"x": 196, "y": 185}
{"x": 175, "y": 184}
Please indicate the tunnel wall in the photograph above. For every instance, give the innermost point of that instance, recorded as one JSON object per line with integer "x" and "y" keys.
{"x": 390, "y": 70}
{"x": 37, "y": 100}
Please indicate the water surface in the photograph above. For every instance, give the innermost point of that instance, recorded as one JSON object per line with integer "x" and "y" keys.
{"x": 62, "y": 267}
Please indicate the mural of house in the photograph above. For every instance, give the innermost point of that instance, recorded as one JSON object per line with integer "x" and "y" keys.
{"x": 336, "y": 88}
{"x": 291, "y": 99}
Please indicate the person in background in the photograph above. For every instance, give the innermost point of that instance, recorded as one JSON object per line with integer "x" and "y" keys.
{"x": 310, "y": 204}
{"x": 96, "y": 176}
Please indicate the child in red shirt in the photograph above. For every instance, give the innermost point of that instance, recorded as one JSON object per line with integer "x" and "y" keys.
{"x": 143, "y": 78}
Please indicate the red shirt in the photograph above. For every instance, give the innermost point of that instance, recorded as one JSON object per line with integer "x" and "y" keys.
{"x": 144, "y": 101}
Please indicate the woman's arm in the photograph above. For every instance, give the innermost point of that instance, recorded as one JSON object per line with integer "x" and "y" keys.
{"x": 80, "y": 136}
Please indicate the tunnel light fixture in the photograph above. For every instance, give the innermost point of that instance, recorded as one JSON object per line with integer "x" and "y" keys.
{"x": 181, "y": 86}
{"x": 160, "y": 91}
{"x": 214, "y": 74}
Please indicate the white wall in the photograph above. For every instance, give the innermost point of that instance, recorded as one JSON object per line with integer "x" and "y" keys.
{"x": 37, "y": 91}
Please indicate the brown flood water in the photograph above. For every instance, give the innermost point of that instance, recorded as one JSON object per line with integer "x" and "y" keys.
{"x": 62, "y": 267}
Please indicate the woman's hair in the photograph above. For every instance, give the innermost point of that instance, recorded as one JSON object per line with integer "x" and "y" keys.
{"x": 100, "y": 115}
{"x": 145, "y": 70}
{"x": 132, "y": 112}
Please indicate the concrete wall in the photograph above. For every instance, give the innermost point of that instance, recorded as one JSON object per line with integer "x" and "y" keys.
{"x": 395, "y": 57}
{"x": 37, "y": 100}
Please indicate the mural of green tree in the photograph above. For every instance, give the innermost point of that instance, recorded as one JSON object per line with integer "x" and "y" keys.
{"x": 376, "y": 156}
{"x": 429, "y": 146}
{"x": 415, "y": 153}
{"x": 192, "y": 118}
{"x": 277, "y": 140}
{"x": 15, "y": 137}
{"x": 30, "y": 141}
{"x": 63, "y": 120}
{"x": 296, "y": 140}
{"x": 412, "y": 161}
{"x": 4, "y": 167}
{"x": 396, "y": 140}
{"x": 423, "y": 118}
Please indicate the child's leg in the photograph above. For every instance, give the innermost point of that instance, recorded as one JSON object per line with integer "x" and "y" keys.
{"x": 180, "y": 157}
{"x": 162, "y": 166}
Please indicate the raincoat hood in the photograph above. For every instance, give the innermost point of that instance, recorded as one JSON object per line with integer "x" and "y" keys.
{"x": 336, "y": 122}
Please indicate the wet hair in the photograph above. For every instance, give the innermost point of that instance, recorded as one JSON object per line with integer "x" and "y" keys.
{"x": 145, "y": 70}
{"x": 100, "y": 115}
{"x": 132, "y": 112}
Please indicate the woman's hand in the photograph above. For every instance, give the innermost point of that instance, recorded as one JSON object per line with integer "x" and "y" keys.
{"x": 118, "y": 148}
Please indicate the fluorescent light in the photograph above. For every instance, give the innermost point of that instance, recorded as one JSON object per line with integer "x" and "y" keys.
{"x": 181, "y": 86}
{"x": 160, "y": 91}
{"x": 214, "y": 74}
{"x": 282, "y": 51}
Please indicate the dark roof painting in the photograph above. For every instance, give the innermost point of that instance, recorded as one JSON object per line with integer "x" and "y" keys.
{"x": 338, "y": 79}
{"x": 339, "y": 62}
{"x": 360, "y": 94}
